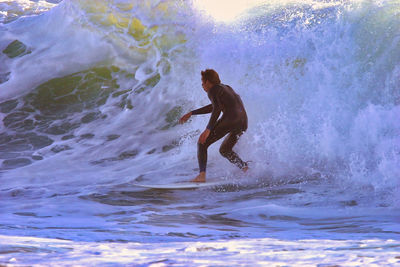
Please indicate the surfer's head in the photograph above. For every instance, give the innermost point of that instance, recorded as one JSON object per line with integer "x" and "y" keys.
{"x": 209, "y": 78}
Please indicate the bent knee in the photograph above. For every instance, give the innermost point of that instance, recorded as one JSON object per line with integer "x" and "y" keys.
{"x": 201, "y": 146}
{"x": 224, "y": 152}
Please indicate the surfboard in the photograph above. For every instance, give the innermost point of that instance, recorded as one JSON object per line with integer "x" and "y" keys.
{"x": 181, "y": 185}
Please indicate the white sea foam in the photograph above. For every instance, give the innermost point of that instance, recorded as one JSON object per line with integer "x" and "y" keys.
{"x": 262, "y": 251}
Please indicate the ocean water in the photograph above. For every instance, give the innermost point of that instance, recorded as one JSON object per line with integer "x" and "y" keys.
{"x": 90, "y": 96}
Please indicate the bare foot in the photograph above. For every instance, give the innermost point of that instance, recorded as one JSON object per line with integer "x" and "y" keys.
{"x": 246, "y": 168}
{"x": 201, "y": 178}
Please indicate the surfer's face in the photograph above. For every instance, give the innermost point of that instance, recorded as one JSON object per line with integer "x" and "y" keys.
{"x": 206, "y": 85}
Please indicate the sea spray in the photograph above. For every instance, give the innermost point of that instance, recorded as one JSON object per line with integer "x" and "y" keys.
{"x": 320, "y": 85}
{"x": 110, "y": 80}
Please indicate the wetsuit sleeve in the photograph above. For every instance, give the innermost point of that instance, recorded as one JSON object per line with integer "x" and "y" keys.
{"x": 203, "y": 110}
{"x": 216, "y": 109}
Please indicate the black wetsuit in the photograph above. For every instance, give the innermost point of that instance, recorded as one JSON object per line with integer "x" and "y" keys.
{"x": 232, "y": 122}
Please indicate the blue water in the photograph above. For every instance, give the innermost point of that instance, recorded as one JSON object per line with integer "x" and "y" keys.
{"x": 90, "y": 96}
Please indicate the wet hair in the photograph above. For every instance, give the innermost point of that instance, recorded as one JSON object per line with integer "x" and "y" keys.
{"x": 211, "y": 76}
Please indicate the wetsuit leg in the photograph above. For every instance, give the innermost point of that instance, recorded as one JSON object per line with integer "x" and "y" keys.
{"x": 222, "y": 128}
{"x": 226, "y": 149}
{"x": 219, "y": 131}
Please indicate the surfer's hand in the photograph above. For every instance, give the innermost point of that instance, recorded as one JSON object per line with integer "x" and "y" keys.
{"x": 185, "y": 117}
{"x": 203, "y": 136}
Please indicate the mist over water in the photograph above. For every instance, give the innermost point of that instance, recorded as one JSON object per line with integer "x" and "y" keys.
{"x": 91, "y": 93}
{"x": 320, "y": 81}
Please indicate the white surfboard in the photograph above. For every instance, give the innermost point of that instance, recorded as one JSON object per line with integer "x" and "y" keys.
{"x": 181, "y": 185}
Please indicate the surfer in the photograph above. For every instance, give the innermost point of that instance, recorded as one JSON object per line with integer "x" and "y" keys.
{"x": 233, "y": 121}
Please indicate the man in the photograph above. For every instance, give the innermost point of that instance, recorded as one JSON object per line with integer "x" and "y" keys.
{"x": 233, "y": 121}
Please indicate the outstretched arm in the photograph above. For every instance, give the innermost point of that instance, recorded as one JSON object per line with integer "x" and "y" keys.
{"x": 203, "y": 110}
{"x": 185, "y": 117}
